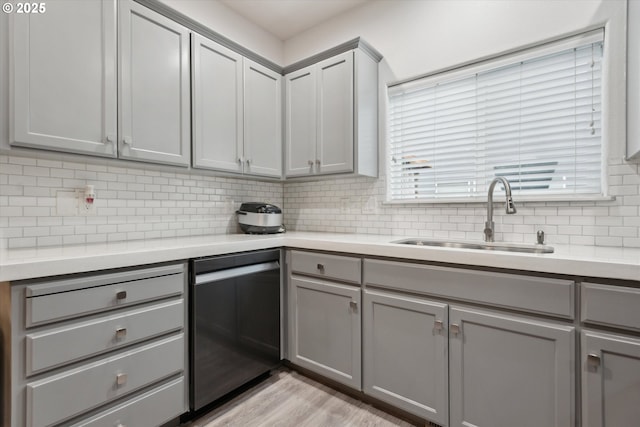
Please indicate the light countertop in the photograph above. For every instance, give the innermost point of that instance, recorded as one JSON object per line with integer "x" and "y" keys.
{"x": 585, "y": 261}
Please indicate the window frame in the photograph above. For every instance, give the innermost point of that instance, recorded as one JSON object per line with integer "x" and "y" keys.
{"x": 495, "y": 62}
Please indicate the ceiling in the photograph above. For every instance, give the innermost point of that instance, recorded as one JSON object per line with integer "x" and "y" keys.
{"x": 286, "y": 18}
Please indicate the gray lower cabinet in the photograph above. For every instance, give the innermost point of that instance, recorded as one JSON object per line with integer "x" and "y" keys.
{"x": 610, "y": 362}
{"x": 508, "y": 370}
{"x": 325, "y": 329}
{"x": 405, "y": 353}
{"x": 104, "y": 349}
{"x": 610, "y": 380}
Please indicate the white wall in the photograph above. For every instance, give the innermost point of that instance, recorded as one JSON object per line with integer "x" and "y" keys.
{"x": 230, "y": 24}
{"x": 418, "y": 37}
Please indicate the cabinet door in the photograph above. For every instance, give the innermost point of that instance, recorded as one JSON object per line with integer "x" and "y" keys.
{"x": 262, "y": 120}
{"x": 405, "y": 354}
{"x": 154, "y": 78}
{"x": 335, "y": 114}
{"x": 325, "y": 329}
{"x": 217, "y": 105}
{"x": 610, "y": 380}
{"x": 301, "y": 120}
{"x": 64, "y": 78}
{"x": 509, "y": 371}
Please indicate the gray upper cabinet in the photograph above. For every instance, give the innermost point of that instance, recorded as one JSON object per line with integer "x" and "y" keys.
{"x": 405, "y": 357}
{"x": 237, "y": 118}
{"x": 633, "y": 83}
{"x": 64, "y": 78}
{"x": 509, "y": 371}
{"x": 262, "y": 120}
{"x": 217, "y": 93}
{"x": 331, "y": 116}
{"x": 335, "y": 82}
{"x": 610, "y": 378}
{"x": 301, "y": 122}
{"x": 154, "y": 87}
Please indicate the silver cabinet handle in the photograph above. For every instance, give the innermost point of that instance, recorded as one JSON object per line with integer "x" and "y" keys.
{"x": 109, "y": 139}
{"x": 121, "y": 379}
{"x": 437, "y": 325}
{"x": 318, "y": 162}
{"x": 248, "y": 162}
{"x": 127, "y": 141}
{"x": 353, "y": 305}
{"x": 593, "y": 359}
{"x": 320, "y": 267}
{"x": 310, "y": 162}
{"x": 121, "y": 295}
{"x": 240, "y": 160}
{"x": 121, "y": 333}
{"x": 455, "y": 328}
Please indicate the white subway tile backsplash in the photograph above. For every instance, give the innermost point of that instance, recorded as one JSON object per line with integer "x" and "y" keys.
{"x": 132, "y": 202}
{"x": 136, "y": 202}
{"x": 604, "y": 223}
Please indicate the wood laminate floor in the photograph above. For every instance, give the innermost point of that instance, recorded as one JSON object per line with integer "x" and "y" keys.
{"x": 288, "y": 399}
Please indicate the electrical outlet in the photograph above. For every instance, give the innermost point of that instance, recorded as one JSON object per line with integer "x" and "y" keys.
{"x": 84, "y": 208}
{"x": 230, "y": 205}
{"x": 344, "y": 205}
{"x": 371, "y": 205}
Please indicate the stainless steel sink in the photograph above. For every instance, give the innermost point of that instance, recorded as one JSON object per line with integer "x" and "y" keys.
{"x": 492, "y": 246}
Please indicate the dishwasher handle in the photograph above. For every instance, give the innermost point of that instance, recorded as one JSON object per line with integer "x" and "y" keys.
{"x": 230, "y": 273}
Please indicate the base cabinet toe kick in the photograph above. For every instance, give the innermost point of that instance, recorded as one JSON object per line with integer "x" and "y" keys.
{"x": 463, "y": 346}
{"x": 101, "y": 349}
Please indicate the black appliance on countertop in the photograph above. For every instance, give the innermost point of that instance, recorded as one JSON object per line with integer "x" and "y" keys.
{"x": 260, "y": 218}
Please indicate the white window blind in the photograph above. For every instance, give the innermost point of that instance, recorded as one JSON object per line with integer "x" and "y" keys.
{"x": 533, "y": 117}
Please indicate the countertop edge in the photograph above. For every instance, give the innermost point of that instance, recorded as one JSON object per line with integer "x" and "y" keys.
{"x": 16, "y": 265}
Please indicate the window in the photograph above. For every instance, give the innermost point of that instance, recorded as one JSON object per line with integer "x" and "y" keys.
{"x": 533, "y": 117}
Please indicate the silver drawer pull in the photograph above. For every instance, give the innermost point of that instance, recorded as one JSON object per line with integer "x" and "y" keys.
{"x": 353, "y": 305}
{"x": 121, "y": 379}
{"x": 593, "y": 359}
{"x": 121, "y": 295}
{"x": 120, "y": 425}
{"x": 455, "y": 328}
{"x": 437, "y": 325}
{"x": 121, "y": 333}
{"x": 320, "y": 267}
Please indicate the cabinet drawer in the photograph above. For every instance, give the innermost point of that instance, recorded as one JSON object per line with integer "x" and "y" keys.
{"x": 528, "y": 293}
{"x": 65, "y": 299}
{"x": 344, "y": 268}
{"x": 150, "y": 409}
{"x": 611, "y": 305}
{"x": 67, "y": 344}
{"x": 61, "y": 396}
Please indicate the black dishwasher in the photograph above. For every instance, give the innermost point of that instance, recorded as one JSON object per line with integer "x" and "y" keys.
{"x": 235, "y": 322}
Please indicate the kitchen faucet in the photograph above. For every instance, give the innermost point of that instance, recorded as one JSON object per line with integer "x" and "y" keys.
{"x": 509, "y": 207}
